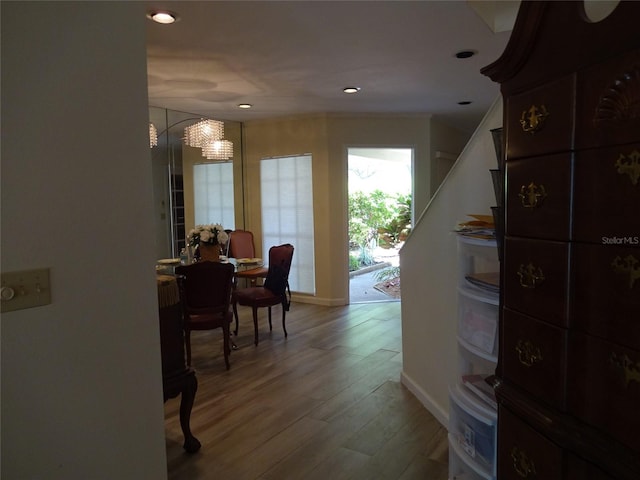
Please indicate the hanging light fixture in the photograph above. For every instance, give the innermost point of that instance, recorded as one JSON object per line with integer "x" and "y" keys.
{"x": 153, "y": 135}
{"x": 203, "y": 132}
{"x": 218, "y": 150}
{"x": 208, "y": 135}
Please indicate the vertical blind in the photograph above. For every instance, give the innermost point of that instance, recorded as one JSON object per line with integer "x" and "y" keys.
{"x": 287, "y": 214}
{"x": 213, "y": 194}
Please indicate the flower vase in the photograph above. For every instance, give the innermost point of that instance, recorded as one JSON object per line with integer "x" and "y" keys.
{"x": 209, "y": 252}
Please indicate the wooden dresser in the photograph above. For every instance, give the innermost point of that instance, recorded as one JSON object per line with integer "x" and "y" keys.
{"x": 569, "y": 358}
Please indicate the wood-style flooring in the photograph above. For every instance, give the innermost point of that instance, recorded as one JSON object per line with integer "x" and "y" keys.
{"x": 324, "y": 403}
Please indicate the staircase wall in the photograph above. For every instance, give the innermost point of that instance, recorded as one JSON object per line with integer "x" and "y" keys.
{"x": 428, "y": 264}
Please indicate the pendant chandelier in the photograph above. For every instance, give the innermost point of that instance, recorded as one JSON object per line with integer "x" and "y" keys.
{"x": 153, "y": 135}
{"x": 207, "y": 134}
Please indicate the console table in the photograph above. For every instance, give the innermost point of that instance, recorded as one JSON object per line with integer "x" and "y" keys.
{"x": 177, "y": 378}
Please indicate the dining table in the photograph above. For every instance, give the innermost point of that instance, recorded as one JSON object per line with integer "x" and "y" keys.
{"x": 168, "y": 266}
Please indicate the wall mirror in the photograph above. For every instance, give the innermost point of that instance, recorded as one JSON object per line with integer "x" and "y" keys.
{"x": 173, "y": 167}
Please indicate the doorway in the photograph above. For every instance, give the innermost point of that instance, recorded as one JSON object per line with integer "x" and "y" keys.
{"x": 380, "y": 217}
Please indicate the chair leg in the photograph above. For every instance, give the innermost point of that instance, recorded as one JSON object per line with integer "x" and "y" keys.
{"x": 270, "y": 326}
{"x": 283, "y": 325}
{"x": 187, "y": 343}
{"x": 226, "y": 333}
{"x": 255, "y": 325}
{"x": 188, "y": 394}
{"x": 235, "y": 315}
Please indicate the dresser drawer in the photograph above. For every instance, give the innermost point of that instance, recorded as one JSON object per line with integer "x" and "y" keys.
{"x": 539, "y": 197}
{"x": 524, "y": 453}
{"x": 536, "y": 278}
{"x": 603, "y": 387}
{"x": 579, "y": 469}
{"x": 540, "y": 121}
{"x": 607, "y": 109}
{"x": 533, "y": 357}
{"x": 607, "y": 194}
{"x": 605, "y": 296}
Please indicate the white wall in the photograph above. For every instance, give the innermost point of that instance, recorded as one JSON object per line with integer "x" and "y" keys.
{"x": 81, "y": 377}
{"x": 429, "y": 268}
{"x": 327, "y": 138}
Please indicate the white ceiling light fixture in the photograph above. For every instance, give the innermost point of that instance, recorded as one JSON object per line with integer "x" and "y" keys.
{"x": 244, "y": 105}
{"x": 462, "y": 54}
{"x": 164, "y": 17}
{"x": 351, "y": 90}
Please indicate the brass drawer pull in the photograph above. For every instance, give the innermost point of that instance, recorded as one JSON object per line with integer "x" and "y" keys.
{"x": 629, "y": 165}
{"x": 532, "y": 120}
{"x": 628, "y": 264}
{"x": 629, "y": 369}
{"x": 522, "y": 464}
{"x": 530, "y": 276}
{"x": 532, "y": 195}
{"x": 528, "y": 353}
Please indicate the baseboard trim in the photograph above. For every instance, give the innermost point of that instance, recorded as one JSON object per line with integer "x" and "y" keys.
{"x": 435, "y": 409}
{"x": 327, "y": 302}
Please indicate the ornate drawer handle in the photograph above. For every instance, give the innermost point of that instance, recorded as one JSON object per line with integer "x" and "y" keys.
{"x": 629, "y": 165}
{"x": 530, "y": 276}
{"x": 528, "y": 353}
{"x": 532, "y": 195}
{"x": 532, "y": 119}
{"x": 628, "y": 264}
{"x": 522, "y": 464}
{"x": 629, "y": 369}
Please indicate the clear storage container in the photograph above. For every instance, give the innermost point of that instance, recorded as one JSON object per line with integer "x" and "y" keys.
{"x": 478, "y": 320}
{"x": 472, "y": 427}
{"x": 461, "y": 470}
{"x": 479, "y": 266}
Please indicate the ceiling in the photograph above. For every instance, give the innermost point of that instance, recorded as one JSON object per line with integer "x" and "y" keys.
{"x": 294, "y": 57}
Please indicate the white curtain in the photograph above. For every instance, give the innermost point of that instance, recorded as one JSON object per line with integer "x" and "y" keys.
{"x": 213, "y": 194}
{"x": 287, "y": 214}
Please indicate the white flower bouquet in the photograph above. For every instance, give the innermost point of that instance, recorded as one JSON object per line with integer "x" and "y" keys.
{"x": 212, "y": 234}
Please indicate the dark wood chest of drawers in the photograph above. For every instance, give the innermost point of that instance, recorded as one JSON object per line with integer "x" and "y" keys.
{"x": 569, "y": 359}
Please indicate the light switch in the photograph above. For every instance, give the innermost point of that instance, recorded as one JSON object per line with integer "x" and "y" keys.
{"x": 25, "y": 289}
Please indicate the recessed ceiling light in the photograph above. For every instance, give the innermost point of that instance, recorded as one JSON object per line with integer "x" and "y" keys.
{"x": 244, "y": 105}
{"x": 162, "y": 16}
{"x": 465, "y": 54}
{"x": 351, "y": 89}
{"x": 465, "y": 102}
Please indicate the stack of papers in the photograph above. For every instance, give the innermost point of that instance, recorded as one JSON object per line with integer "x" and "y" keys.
{"x": 482, "y": 226}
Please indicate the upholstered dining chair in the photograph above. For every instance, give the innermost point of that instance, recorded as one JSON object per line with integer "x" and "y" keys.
{"x": 274, "y": 291}
{"x": 241, "y": 245}
{"x": 205, "y": 294}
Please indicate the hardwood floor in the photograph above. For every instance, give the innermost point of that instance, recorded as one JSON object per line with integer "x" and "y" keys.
{"x": 325, "y": 403}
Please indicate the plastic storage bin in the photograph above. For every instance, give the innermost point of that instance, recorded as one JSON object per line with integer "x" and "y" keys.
{"x": 472, "y": 361}
{"x": 461, "y": 470}
{"x": 478, "y": 320}
{"x": 472, "y": 427}
{"x": 479, "y": 258}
